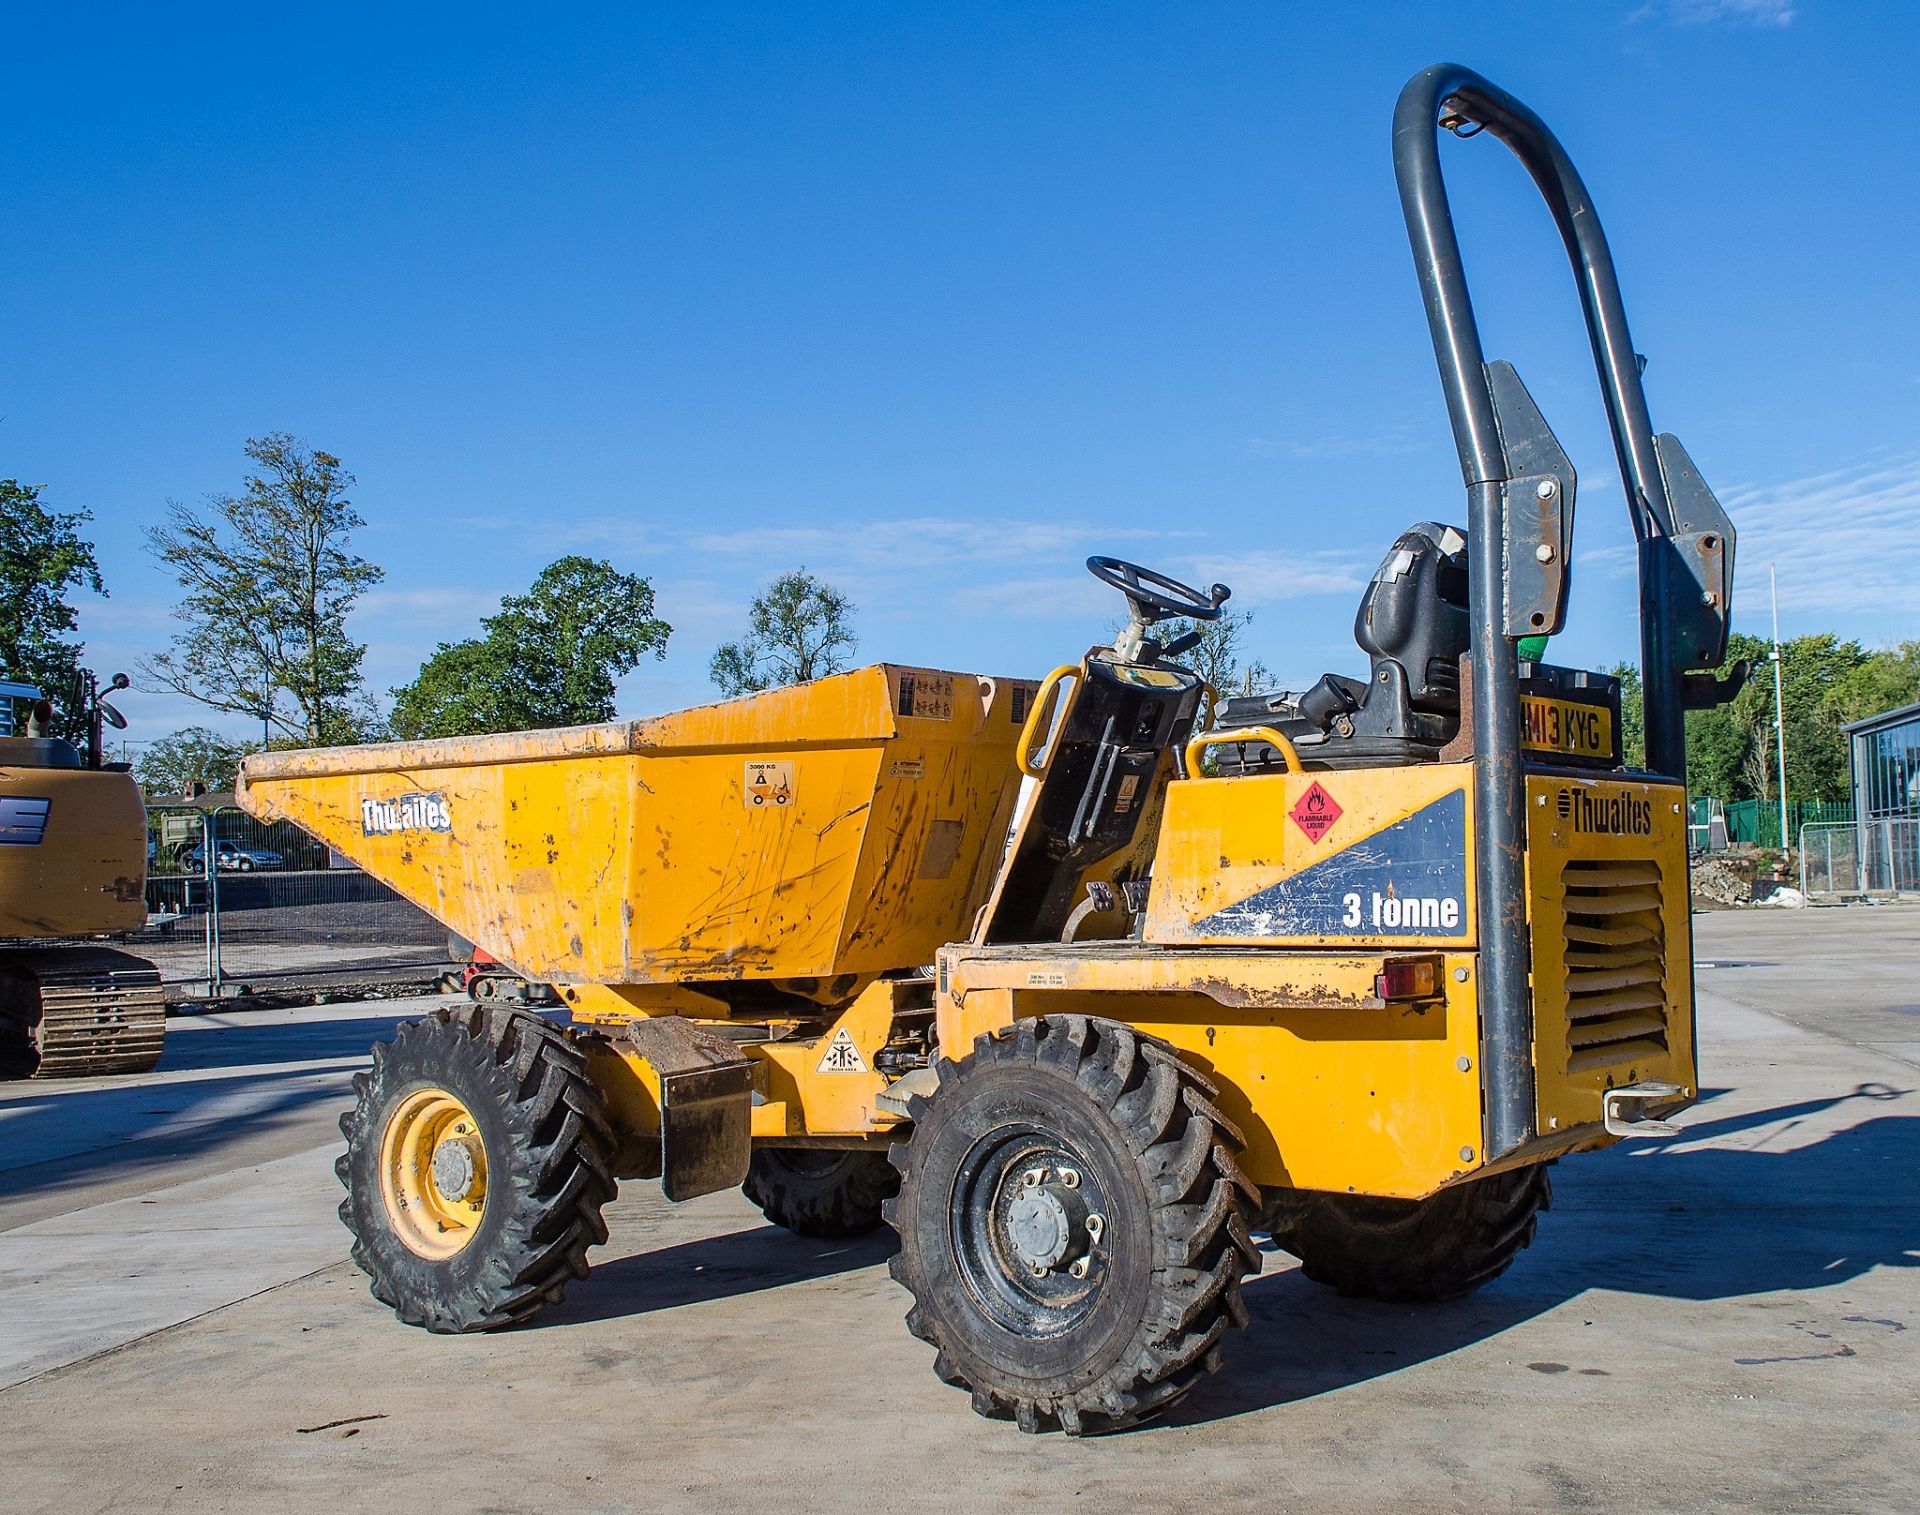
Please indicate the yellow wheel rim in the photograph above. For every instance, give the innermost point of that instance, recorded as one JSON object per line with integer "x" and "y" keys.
{"x": 433, "y": 1173}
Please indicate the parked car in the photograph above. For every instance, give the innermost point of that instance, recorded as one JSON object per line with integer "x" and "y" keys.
{"x": 231, "y": 857}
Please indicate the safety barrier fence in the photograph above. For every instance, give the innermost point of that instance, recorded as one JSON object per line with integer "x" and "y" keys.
{"x": 1878, "y": 856}
{"x": 233, "y": 905}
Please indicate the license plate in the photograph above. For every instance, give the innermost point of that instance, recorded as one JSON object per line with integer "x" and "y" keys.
{"x": 1563, "y": 726}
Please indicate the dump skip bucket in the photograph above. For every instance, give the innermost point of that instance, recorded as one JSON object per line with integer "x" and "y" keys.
{"x": 849, "y": 825}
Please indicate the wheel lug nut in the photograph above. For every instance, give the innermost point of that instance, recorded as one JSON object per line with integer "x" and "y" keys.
{"x": 1033, "y": 1178}
{"x": 1079, "y": 1267}
{"x": 1070, "y": 1177}
{"x": 1096, "y": 1224}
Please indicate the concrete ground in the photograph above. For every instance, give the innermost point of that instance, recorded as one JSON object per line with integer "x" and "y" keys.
{"x": 1725, "y": 1320}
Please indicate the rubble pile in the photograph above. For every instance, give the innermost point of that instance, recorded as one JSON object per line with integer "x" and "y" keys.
{"x": 1722, "y": 881}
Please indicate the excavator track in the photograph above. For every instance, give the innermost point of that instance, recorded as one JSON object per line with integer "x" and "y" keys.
{"x": 78, "y": 1012}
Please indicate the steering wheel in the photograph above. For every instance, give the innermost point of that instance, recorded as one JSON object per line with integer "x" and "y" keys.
{"x": 1154, "y": 596}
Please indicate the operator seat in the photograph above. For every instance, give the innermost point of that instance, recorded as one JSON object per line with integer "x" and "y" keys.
{"x": 1413, "y": 625}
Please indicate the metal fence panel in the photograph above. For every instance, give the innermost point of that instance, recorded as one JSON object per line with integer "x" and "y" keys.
{"x": 1875, "y": 857}
{"x": 232, "y": 903}
{"x": 1829, "y": 860}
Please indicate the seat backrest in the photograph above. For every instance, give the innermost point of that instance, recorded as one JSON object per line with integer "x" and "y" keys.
{"x": 1414, "y": 613}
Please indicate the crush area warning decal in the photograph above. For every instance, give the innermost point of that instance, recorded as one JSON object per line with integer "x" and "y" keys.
{"x": 842, "y": 1055}
{"x": 1409, "y": 879}
{"x": 1316, "y": 812}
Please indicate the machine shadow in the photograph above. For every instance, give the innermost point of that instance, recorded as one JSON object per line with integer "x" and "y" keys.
{"x": 236, "y": 1042}
{"x": 1707, "y": 1224}
{"x": 54, "y": 1136}
{"x": 712, "y": 1268}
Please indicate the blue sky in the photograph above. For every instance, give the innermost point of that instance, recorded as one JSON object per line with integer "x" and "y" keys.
{"x": 937, "y": 301}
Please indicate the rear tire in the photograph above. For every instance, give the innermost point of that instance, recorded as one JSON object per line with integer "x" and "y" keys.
{"x": 821, "y": 1191}
{"x": 492, "y": 1092}
{"x": 1412, "y": 1250}
{"x": 1045, "y": 1316}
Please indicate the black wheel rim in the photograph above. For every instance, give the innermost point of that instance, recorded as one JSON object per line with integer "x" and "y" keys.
{"x": 1004, "y": 1286}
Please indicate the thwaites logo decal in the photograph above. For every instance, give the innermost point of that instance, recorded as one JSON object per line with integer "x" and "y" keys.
{"x": 1407, "y": 879}
{"x": 409, "y": 812}
{"x": 23, "y": 821}
{"x": 1605, "y": 814}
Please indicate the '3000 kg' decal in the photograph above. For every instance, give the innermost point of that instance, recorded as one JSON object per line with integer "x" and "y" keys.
{"x": 1408, "y": 879}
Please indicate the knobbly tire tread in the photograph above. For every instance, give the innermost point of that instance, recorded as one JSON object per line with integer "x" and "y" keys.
{"x": 842, "y": 1198}
{"x": 1198, "y": 1202}
{"x": 1434, "y": 1249}
{"x": 547, "y": 1141}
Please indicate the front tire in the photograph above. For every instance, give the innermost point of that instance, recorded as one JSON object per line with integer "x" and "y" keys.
{"x": 1413, "y": 1250}
{"x": 821, "y": 1191}
{"x": 1072, "y": 1225}
{"x": 476, "y": 1168}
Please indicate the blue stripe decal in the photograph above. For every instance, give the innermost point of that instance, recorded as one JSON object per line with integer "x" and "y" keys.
{"x": 1409, "y": 879}
{"x": 23, "y": 822}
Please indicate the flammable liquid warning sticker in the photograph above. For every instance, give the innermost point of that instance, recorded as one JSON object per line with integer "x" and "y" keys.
{"x": 842, "y": 1055}
{"x": 923, "y": 693}
{"x": 1315, "y": 812}
{"x": 767, "y": 785}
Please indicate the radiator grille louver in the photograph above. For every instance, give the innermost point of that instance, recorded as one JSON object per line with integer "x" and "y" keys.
{"x": 1616, "y": 963}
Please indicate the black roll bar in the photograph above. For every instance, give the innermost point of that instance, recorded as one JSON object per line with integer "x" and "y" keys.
{"x": 1448, "y": 95}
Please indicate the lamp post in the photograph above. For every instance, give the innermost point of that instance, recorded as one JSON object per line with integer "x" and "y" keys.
{"x": 1779, "y": 706}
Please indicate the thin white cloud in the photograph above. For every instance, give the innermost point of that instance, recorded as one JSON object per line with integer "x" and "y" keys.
{"x": 1259, "y": 577}
{"x": 1759, "y": 13}
{"x": 1393, "y": 441}
{"x": 1844, "y": 542}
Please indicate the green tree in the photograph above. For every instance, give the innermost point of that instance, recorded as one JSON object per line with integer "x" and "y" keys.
{"x": 549, "y": 657}
{"x": 1825, "y": 682}
{"x": 1219, "y": 656}
{"x": 269, "y": 578}
{"x": 189, "y": 756}
{"x": 798, "y": 628}
{"x": 43, "y": 558}
{"x": 1633, "y": 714}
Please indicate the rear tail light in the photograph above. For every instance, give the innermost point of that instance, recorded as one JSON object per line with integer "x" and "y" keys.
{"x": 1408, "y": 978}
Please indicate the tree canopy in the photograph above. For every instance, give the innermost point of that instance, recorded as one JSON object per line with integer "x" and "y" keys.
{"x": 192, "y": 755}
{"x": 1825, "y": 684}
{"x": 43, "y": 559}
{"x": 269, "y": 576}
{"x": 549, "y": 657}
{"x": 798, "y": 628}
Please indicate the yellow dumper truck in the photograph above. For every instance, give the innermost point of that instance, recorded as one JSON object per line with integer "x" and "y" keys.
{"x": 1080, "y": 982}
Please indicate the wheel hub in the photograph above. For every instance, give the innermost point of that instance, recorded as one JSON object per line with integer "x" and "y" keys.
{"x": 1048, "y": 1222}
{"x": 456, "y": 1167}
{"x": 433, "y": 1173}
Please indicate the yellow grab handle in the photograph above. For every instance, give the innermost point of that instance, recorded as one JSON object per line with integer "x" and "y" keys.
{"x": 1049, "y": 687}
{"x": 1241, "y": 734}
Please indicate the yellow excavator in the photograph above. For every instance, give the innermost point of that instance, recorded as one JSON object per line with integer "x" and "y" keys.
{"x": 1351, "y": 967}
{"x": 73, "y": 870}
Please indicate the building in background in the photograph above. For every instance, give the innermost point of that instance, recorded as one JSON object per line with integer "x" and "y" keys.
{"x": 1885, "y": 753}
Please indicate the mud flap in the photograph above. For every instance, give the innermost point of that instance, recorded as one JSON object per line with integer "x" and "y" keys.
{"x": 706, "y": 1105}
